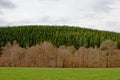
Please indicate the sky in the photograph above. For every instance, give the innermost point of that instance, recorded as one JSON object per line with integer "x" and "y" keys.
{"x": 95, "y": 14}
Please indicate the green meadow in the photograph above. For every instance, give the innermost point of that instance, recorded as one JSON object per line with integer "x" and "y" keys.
{"x": 59, "y": 73}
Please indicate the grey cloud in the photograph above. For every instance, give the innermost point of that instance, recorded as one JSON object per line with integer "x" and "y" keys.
{"x": 20, "y": 22}
{"x": 48, "y": 0}
{"x": 49, "y": 19}
{"x": 63, "y": 20}
{"x": 1, "y": 12}
{"x": 2, "y": 22}
{"x": 113, "y": 26}
{"x": 102, "y": 6}
{"x": 45, "y": 19}
{"x": 6, "y": 4}
{"x": 90, "y": 16}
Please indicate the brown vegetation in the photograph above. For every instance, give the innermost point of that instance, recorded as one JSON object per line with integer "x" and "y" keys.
{"x": 47, "y": 55}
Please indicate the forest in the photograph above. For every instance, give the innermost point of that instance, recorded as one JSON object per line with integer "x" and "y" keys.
{"x": 48, "y": 55}
{"x": 58, "y": 46}
{"x": 28, "y": 36}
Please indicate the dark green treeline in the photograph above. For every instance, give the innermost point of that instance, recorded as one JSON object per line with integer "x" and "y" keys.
{"x": 58, "y": 35}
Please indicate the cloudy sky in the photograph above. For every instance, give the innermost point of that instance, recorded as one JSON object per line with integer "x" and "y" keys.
{"x": 96, "y": 14}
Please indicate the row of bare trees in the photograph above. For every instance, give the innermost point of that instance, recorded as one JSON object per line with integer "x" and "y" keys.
{"x": 47, "y": 55}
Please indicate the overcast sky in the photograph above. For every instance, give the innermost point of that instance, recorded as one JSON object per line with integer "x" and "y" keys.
{"x": 96, "y": 14}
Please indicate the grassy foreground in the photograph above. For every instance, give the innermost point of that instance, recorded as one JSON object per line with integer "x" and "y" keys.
{"x": 59, "y": 74}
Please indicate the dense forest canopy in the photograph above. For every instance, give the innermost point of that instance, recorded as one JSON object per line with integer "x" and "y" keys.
{"x": 58, "y": 46}
{"x": 28, "y": 36}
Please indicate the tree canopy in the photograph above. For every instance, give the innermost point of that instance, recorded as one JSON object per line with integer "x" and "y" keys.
{"x": 27, "y": 36}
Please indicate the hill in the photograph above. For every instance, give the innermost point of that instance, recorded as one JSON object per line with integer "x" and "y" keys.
{"x": 54, "y": 46}
{"x": 58, "y": 35}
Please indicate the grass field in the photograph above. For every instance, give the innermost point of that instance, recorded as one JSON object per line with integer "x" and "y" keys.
{"x": 59, "y": 74}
